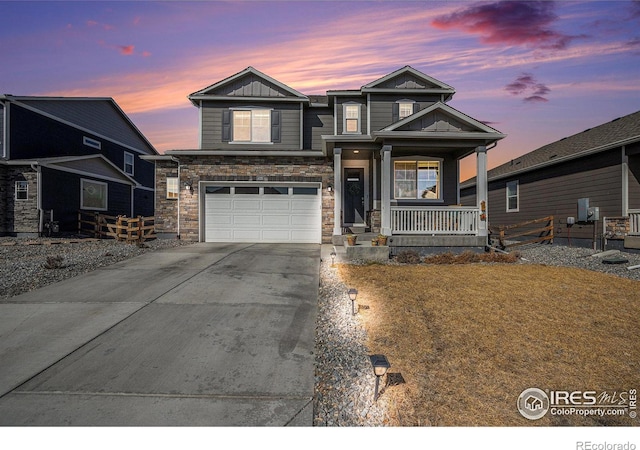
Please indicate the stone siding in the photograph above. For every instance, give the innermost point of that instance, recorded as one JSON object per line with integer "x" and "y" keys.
{"x": 19, "y": 216}
{"x": 195, "y": 169}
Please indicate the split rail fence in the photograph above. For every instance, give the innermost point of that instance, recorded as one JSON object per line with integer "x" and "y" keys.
{"x": 540, "y": 233}
{"x": 121, "y": 228}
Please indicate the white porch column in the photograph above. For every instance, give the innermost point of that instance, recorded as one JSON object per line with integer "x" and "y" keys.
{"x": 385, "y": 190}
{"x": 482, "y": 189}
{"x": 337, "y": 191}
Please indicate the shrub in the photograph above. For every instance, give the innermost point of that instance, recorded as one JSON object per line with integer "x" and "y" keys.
{"x": 469, "y": 257}
{"x": 408, "y": 257}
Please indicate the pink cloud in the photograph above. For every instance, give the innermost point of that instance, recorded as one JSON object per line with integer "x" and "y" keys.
{"x": 508, "y": 22}
{"x": 146, "y": 54}
{"x": 126, "y": 49}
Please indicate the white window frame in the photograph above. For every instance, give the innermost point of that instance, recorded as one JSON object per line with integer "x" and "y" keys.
{"x": 173, "y": 188}
{"x": 406, "y": 104}
{"x": 516, "y": 195}
{"x": 418, "y": 162}
{"x": 21, "y": 187}
{"x": 257, "y": 134}
{"x": 130, "y": 163}
{"x": 353, "y": 107}
{"x": 91, "y": 142}
{"x": 83, "y": 182}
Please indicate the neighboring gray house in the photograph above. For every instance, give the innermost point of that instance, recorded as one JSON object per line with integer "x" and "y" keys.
{"x": 601, "y": 164}
{"x": 276, "y": 165}
{"x": 59, "y": 155}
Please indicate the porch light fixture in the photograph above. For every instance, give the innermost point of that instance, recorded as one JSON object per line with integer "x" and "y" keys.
{"x": 329, "y": 188}
{"x": 380, "y": 365}
{"x": 188, "y": 185}
{"x": 353, "y": 294}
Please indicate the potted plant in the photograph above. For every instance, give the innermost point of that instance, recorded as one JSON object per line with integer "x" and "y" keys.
{"x": 351, "y": 239}
{"x": 382, "y": 239}
{"x": 374, "y": 242}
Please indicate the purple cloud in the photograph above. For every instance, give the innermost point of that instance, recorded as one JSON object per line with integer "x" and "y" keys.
{"x": 509, "y": 22}
{"x": 526, "y": 84}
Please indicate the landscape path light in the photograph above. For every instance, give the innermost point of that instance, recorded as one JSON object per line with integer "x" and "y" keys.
{"x": 380, "y": 365}
{"x": 333, "y": 258}
{"x": 353, "y": 294}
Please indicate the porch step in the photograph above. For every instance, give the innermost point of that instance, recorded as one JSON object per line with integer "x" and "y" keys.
{"x": 363, "y": 250}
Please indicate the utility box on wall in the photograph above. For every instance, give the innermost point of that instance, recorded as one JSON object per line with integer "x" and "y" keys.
{"x": 587, "y": 213}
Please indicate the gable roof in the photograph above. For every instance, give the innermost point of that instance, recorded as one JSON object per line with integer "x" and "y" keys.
{"x": 621, "y": 131}
{"x": 100, "y": 116}
{"x": 251, "y": 83}
{"x": 408, "y": 79}
{"x": 442, "y": 118}
{"x": 95, "y": 165}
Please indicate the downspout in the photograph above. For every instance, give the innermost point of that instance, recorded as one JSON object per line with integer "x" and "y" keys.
{"x": 176, "y": 160}
{"x": 38, "y": 171}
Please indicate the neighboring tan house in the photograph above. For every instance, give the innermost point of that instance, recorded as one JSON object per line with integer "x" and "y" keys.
{"x": 601, "y": 164}
{"x": 59, "y": 155}
{"x": 276, "y": 165}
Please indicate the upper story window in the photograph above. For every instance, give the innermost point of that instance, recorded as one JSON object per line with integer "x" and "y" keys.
{"x": 252, "y": 125}
{"x": 91, "y": 142}
{"x": 417, "y": 180}
{"x": 351, "y": 119}
{"x": 128, "y": 163}
{"x": 512, "y": 196}
{"x": 405, "y": 109}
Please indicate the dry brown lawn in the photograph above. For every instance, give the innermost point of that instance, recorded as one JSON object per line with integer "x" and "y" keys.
{"x": 468, "y": 339}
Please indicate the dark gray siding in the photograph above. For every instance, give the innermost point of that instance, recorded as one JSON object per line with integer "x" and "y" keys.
{"x": 317, "y": 122}
{"x": 61, "y": 193}
{"x": 468, "y": 196}
{"x": 382, "y": 107}
{"x": 555, "y": 190}
{"x": 212, "y": 125}
{"x": 634, "y": 182}
{"x": 1, "y": 129}
{"x": 340, "y": 101}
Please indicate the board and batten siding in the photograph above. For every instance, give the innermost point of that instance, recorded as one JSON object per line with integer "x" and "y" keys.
{"x": 212, "y": 125}
{"x": 318, "y": 122}
{"x": 555, "y": 190}
{"x": 382, "y": 107}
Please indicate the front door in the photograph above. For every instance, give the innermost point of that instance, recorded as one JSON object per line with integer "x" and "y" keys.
{"x": 353, "y": 212}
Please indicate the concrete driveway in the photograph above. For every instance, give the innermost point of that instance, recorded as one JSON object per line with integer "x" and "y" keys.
{"x": 200, "y": 335}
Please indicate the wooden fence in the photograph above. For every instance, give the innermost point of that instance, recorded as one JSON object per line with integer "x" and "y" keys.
{"x": 121, "y": 228}
{"x": 506, "y": 233}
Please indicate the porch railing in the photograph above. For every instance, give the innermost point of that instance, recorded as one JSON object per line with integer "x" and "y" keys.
{"x": 439, "y": 220}
{"x": 634, "y": 222}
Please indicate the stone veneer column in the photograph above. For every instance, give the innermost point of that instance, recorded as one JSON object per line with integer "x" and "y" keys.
{"x": 337, "y": 191}
{"x": 482, "y": 189}
{"x": 385, "y": 190}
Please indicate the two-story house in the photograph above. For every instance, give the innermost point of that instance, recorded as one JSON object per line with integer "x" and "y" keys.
{"x": 59, "y": 155}
{"x": 276, "y": 165}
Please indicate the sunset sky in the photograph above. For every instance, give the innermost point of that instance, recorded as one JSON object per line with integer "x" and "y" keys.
{"x": 536, "y": 71}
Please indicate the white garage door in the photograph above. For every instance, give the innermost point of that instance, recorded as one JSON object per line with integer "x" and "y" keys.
{"x": 260, "y": 213}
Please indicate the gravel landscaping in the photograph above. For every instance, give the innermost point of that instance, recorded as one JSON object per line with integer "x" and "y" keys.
{"x": 33, "y": 263}
{"x": 344, "y": 377}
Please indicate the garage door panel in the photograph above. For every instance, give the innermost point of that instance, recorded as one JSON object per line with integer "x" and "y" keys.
{"x": 246, "y": 235}
{"x": 218, "y": 203}
{"x": 276, "y": 235}
{"x": 219, "y": 219}
{"x": 276, "y": 205}
{"x": 302, "y": 221}
{"x": 309, "y": 204}
{"x": 244, "y": 220}
{"x": 218, "y": 235}
{"x": 246, "y": 205}
{"x": 277, "y": 220}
